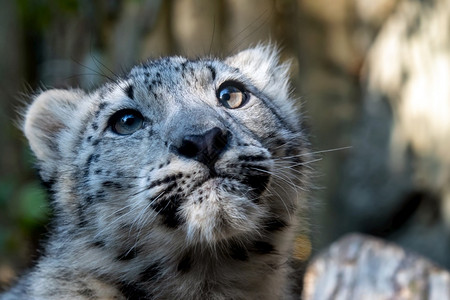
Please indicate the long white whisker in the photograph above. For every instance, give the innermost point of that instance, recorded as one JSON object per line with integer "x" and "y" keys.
{"x": 306, "y": 163}
{"x": 312, "y": 153}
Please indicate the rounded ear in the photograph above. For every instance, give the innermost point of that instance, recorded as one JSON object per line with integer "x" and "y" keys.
{"x": 50, "y": 114}
{"x": 262, "y": 65}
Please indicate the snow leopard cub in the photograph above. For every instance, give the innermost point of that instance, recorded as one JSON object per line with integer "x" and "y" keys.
{"x": 181, "y": 180}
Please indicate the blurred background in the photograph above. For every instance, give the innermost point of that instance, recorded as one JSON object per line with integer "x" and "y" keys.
{"x": 371, "y": 75}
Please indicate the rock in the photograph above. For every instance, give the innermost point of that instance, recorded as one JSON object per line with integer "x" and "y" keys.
{"x": 362, "y": 267}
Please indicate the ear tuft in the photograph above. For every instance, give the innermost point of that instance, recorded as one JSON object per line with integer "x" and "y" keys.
{"x": 45, "y": 119}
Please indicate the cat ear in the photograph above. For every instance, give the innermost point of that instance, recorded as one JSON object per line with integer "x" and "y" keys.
{"x": 263, "y": 67}
{"x": 46, "y": 120}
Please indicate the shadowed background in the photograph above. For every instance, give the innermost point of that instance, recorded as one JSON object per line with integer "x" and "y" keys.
{"x": 370, "y": 75}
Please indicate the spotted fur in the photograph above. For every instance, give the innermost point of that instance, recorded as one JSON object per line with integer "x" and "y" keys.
{"x": 200, "y": 202}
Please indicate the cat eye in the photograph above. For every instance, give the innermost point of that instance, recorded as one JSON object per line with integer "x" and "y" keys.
{"x": 232, "y": 95}
{"x": 126, "y": 121}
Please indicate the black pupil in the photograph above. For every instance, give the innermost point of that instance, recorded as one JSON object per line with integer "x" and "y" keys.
{"x": 226, "y": 95}
{"x": 128, "y": 120}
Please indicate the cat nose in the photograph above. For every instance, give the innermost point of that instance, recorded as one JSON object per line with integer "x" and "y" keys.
{"x": 205, "y": 148}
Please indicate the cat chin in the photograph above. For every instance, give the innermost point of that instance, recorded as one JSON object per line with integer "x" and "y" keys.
{"x": 221, "y": 215}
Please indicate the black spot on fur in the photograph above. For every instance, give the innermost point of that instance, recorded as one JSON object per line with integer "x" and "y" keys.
{"x": 134, "y": 292}
{"x": 238, "y": 252}
{"x": 279, "y": 142}
{"x": 275, "y": 225}
{"x": 102, "y": 105}
{"x": 128, "y": 254}
{"x": 89, "y": 159}
{"x": 100, "y": 195}
{"x": 152, "y": 272}
{"x": 165, "y": 180}
{"x": 170, "y": 188}
{"x": 48, "y": 184}
{"x": 262, "y": 247}
{"x": 65, "y": 274}
{"x": 292, "y": 150}
{"x": 252, "y": 157}
{"x": 258, "y": 183}
{"x": 111, "y": 184}
{"x": 129, "y": 91}
{"x": 185, "y": 263}
{"x": 213, "y": 72}
{"x": 89, "y": 200}
{"x": 88, "y": 293}
{"x": 82, "y": 220}
{"x": 167, "y": 208}
{"x": 99, "y": 244}
{"x": 94, "y": 126}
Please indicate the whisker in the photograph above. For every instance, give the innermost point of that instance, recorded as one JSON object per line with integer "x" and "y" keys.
{"x": 312, "y": 153}
{"x": 332, "y": 150}
{"x": 93, "y": 70}
{"x": 306, "y": 163}
{"x": 250, "y": 33}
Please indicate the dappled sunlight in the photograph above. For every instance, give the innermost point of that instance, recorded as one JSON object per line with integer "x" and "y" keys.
{"x": 410, "y": 64}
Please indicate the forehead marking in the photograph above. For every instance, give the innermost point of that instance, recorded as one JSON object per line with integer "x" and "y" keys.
{"x": 129, "y": 91}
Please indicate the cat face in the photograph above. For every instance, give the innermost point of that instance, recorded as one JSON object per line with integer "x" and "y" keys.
{"x": 206, "y": 149}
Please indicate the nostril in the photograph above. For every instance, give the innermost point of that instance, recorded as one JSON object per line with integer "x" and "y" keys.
{"x": 219, "y": 141}
{"x": 188, "y": 149}
{"x": 205, "y": 147}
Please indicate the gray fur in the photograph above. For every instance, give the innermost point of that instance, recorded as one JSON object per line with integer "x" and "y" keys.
{"x": 136, "y": 219}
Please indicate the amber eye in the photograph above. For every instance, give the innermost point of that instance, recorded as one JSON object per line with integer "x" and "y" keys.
{"x": 232, "y": 95}
{"x": 126, "y": 121}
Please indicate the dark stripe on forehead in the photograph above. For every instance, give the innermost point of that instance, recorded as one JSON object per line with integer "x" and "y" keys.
{"x": 213, "y": 71}
{"x": 129, "y": 91}
{"x": 81, "y": 134}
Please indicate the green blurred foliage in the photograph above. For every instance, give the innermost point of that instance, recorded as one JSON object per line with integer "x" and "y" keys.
{"x": 24, "y": 210}
{"x": 38, "y": 14}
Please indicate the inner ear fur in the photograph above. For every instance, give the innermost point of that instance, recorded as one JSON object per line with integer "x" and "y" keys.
{"x": 50, "y": 114}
